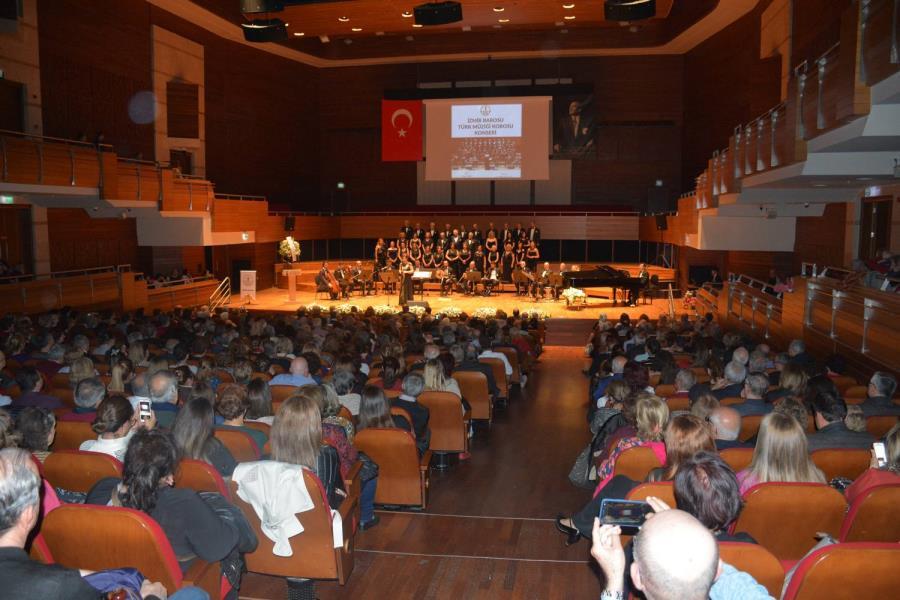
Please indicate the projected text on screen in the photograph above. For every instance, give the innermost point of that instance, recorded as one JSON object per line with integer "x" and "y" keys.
{"x": 486, "y": 120}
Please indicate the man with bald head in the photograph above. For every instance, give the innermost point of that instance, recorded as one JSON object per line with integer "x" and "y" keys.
{"x": 298, "y": 376}
{"x": 617, "y": 366}
{"x": 726, "y": 424}
{"x": 675, "y": 558}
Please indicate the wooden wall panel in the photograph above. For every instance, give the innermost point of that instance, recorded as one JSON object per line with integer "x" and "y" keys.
{"x": 821, "y": 240}
{"x": 15, "y": 236}
{"x": 194, "y": 259}
{"x": 79, "y": 242}
{"x": 183, "y": 109}
{"x": 816, "y": 27}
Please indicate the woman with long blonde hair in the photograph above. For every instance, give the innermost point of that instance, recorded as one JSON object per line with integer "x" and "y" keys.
{"x": 296, "y": 438}
{"x": 791, "y": 382}
{"x": 121, "y": 374}
{"x": 436, "y": 381}
{"x": 81, "y": 368}
{"x": 781, "y": 454}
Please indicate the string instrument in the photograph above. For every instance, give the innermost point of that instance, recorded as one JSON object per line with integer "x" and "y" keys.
{"x": 333, "y": 284}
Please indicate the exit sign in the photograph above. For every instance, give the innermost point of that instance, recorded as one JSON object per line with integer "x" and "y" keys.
{"x": 6, "y": 199}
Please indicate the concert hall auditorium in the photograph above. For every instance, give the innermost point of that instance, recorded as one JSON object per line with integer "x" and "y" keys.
{"x": 450, "y": 299}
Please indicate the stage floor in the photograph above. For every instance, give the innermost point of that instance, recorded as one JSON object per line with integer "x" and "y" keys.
{"x": 276, "y": 300}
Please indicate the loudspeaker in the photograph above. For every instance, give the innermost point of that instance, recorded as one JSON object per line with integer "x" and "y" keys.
{"x": 438, "y": 13}
{"x": 289, "y": 223}
{"x": 629, "y": 10}
{"x": 265, "y": 30}
{"x": 261, "y": 6}
{"x": 661, "y": 223}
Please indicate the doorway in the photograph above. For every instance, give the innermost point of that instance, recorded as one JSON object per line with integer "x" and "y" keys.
{"x": 875, "y": 226}
{"x": 237, "y": 266}
{"x": 183, "y": 160}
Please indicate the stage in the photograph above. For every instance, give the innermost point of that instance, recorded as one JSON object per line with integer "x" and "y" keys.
{"x": 276, "y": 300}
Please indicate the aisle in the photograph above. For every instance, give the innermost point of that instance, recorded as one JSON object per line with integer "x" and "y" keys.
{"x": 488, "y": 531}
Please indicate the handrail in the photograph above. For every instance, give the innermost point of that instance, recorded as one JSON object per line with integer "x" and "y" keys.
{"x": 69, "y": 273}
{"x": 219, "y": 196}
{"x": 757, "y": 304}
{"x": 221, "y": 295}
{"x": 46, "y": 138}
{"x": 475, "y": 211}
{"x": 164, "y": 284}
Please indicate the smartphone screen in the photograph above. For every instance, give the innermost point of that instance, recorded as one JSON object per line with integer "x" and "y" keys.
{"x": 144, "y": 409}
{"x": 880, "y": 454}
{"x": 627, "y": 514}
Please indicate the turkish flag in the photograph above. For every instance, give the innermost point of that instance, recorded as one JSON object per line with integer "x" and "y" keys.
{"x": 401, "y": 130}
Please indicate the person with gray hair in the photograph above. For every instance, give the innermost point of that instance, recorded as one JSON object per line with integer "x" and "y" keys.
{"x": 733, "y": 382}
{"x": 754, "y": 392}
{"x": 758, "y": 362}
{"x": 413, "y": 386}
{"x": 162, "y": 389}
{"x": 468, "y": 361}
{"x": 740, "y": 355}
{"x": 879, "y": 396}
{"x": 684, "y": 381}
{"x": 726, "y": 423}
{"x": 343, "y": 382}
{"x": 21, "y": 577}
{"x": 799, "y": 356}
{"x": 88, "y": 395}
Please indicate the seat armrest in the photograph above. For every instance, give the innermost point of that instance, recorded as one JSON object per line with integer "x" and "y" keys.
{"x": 206, "y": 576}
{"x": 353, "y": 482}
{"x": 426, "y": 460}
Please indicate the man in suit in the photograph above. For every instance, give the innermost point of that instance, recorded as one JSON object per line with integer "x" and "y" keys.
{"x": 829, "y": 411}
{"x": 534, "y": 234}
{"x": 506, "y": 235}
{"x": 799, "y": 356}
{"x": 575, "y": 131}
{"x": 476, "y": 233}
{"x": 518, "y": 233}
{"x": 467, "y": 360}
{"x": 412, "y": 387}
{"x": 879, "y": 400}
{"x": 418, "y": 232}
{"x": 753, "y": 393}
{"x": 406, "y": 230}
{"x": 32, "y": 384}
{"x": 432, "y": 229}
{"x": 735, "y": 373}
{"x": 342, "y": 274}
{"x": 323, "y": 283}
{"x": 726, "y": 423}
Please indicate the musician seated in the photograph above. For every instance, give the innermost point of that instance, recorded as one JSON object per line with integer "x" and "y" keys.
{"x": 361, "y": 280}
{"x": 325, "y": 282}
{"x": 525, "y": 279}
{"x": 491, "y": 279}
{"x": 444, "y": 275}
{"x": 472, "y": 276}
{"x": 342, "y": 275}
{"x": 544, "y": 282}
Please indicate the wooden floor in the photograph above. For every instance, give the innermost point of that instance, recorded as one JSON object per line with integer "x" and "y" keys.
{"x": 488, "y": 531}
{"x": 274, "y": 299}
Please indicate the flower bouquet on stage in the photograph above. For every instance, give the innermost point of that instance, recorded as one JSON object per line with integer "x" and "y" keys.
{"x": 289, "y": 250}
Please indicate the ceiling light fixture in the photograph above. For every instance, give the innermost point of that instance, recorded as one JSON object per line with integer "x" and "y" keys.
{"x": 299, "y": 34}
{"x": 343, "y": 19}
{"x": 569, "y": 6}
{"x": 499, "y": 9}
{"x": 416, "y": 25}
{"x": 356, "y": 29}
{"x": 569, "y": 17}
{"x": 406, "y": 15}
{"x": 503, "y": 20}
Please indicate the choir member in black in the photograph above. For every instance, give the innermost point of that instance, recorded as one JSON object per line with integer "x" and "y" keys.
{"x": 506, "y": 235}
{"x": 380, "y": 255}
{"x": 342, "y": 274}
{"x": 406, "y": 231}
{"x": 427, "y": 259}
{"x": 448, "y": 232}
{"x": 324, "y": 282}
{"x": 465, "y": 256}
{"x": 393, "y": 255}
{"x": 456, "y": 238}
{"x": 463, "y": 232}
{"x": 476, "y": 233}
{"x": 444, "y": 274}
{"x": 443, "y": 242}
{"x": 432, "y": 229}
{"x": 479, "y": 258}
{"x": 415, "y": 252}
{"x": 452, "y": 258}
{"x": 490, "y": 229}
{"x": 492, "y": 261}
{"x": 534, "y": 234}
{"x": 418, "y": 232}
{"x": 403, "y": 247}
{"x": 532, "y": 256}
{"x": 507, "y": 262}
{"x": 470, "y": 281}
{"x": 491, "y": 244}
{"x": 428, "y": 241}
{"x": 471, "y": 242}
{"x": 519, "y": 233}
{"x": 520, "y": 251}
{"x": 406, "y": 282}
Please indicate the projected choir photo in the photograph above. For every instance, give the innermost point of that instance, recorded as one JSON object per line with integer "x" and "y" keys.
{"x": 575, "y": 127}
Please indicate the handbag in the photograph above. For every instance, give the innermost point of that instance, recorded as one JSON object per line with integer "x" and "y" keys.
{"x": 369, "y": 468}
{"x": 122, "y": 584}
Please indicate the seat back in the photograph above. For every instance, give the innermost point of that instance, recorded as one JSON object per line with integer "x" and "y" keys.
{"x": 394, "y": 450}
{"x": 664, "y": 390}
{"x": 512, "y": 356}
{"x": 402, "y": 412}
{"x": 391, "y": 394}
{"x": 855, "y": 392}
{"x": 61, "y": 380}
{"x": 841, "y": 462}
{"x": 635, "y": 463}
{"x": 731, "y": 401}
{"x": 200, "y": 476}
{"x": 259, "y": 426}
{"x": 345, "y": 412}
{"x": 474, "y": 388}
{"x": 499, "y": 374}
{"x": 846, "y": 571}
{"x": 749, "y": 426}
{"x": 757, "y": 561}
{"x": 843, "y": 383}
{"x": 737, "y": 458}
{"x": 873, "y": 516}
{"x": 114, "y": 537}
{"x": 664, "y": 490}
{"x": 260, "y": 375}
{"x": 785, "y": 517}
{"x": 280, "y": 393}
{"x": 78, "y": 471}
{"x": 448, "y": 429}
{"x": 879, "y": 425}
{"x": 240, "y": 444}
{"x": 678, "y": 403}
{"x": 71, "y": 434}
{"x": 314, "y": 555}
{"x": 65, "y": 394}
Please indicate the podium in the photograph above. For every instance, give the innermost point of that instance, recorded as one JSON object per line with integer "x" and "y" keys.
{"x": 292, "y": 275}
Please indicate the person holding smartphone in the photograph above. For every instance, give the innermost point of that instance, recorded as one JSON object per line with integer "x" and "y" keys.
{"x": 884, "y": 468}
{"x": 115, "y": 423}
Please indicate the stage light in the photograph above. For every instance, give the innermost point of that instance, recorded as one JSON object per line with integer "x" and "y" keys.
{"x": 341, "y": 185}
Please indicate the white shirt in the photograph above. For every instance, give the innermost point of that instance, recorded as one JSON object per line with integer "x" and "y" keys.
{"x": 351, "y": 401}
{"x": 114, "y": 447}
{"x": 491, "y": 354}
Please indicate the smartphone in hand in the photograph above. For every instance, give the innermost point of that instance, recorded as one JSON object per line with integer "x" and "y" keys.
{"x": 144, "y": 410}
{"x": 880, "y": 454}
{"x": 629, "y": 515}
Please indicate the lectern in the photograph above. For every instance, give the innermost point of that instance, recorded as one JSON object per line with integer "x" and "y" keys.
{"x": 292, "y": 275}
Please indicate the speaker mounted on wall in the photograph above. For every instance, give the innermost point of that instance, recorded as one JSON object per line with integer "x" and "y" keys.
{"x": 289, "y": 223}
{"x": 438, "y": 13}
{"x": 629, "y": 10}
{"x": 265, "y": 30}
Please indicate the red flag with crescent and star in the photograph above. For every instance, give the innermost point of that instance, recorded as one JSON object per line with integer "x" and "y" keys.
{"x": 401, "y": 130}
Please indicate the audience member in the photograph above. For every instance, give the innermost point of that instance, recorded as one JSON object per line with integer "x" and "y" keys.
{"x": 780, "y": 454}
{"x": 726, "y": 424}
{"x": 733, "y": 382}
{"x": 36, "y": 428}
{"x": 879, "y": 474}
{"x": 232, "y": 404}
{"x": 753, "y": 392}
{"x": 299, "y": 374}
{"x": 194, "y": 434}
{"x": 31, "y": 385}
{"x": 829, "y": 411}
{"x": 114, "y": 425}
{"x": 880, "y": 396}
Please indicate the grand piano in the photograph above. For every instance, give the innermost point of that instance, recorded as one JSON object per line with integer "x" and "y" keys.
{"x": 606, "y": 277}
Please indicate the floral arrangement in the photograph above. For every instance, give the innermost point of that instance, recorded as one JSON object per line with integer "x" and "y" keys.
{"x": 384, "y": 309}
{"x": 346, "y": 309}
{"x": 485, "y": 312}
{"x": 451, "y": 312}
{"x": 417, "y": 310}
{"x": 571, "y": 294}
{"x": 288, "y": 248}
{"x": 317, "y": 308}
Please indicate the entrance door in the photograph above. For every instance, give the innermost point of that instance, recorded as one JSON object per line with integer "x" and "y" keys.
{"x": 236, "y": 267}
{"x": 875, "y": 227}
